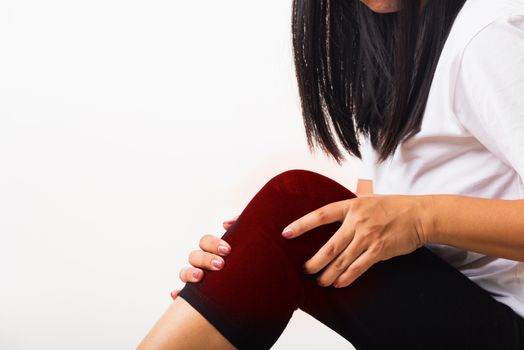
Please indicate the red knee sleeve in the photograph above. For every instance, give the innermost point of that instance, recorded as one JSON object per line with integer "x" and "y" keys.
{"x": 251, "y": 299}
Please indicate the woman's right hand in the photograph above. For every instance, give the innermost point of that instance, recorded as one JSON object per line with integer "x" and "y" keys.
{"x": 208, "y": 258}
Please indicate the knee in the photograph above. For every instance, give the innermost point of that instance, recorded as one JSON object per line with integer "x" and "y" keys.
{"x": 293, "y": 180}
{"x": 290, "y": 195}
{"x": 307, "y": 184}
{"x": 285, "y": 198}
{"x": 282, "y": 192}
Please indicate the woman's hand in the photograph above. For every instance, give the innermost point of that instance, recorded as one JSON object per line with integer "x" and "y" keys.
{"x": 374, "y": 228}
{"x": 208, "y": 258}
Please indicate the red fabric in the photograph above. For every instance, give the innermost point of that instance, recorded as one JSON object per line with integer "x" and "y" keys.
{"x": 252, "y": 287}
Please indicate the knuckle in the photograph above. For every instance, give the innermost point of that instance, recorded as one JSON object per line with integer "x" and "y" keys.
{"x": 330, "y": 249}
{"x": 379, "y": 246}
{"x": 340, "y": 264}
{"x": 356, "y": 269}
{"x": 358, "y": 220}
{"x": 371, "y": 234}
{"x": 362, "y": 267}
{"x": 321, "y": 215}
{"x": 354, "y": 204}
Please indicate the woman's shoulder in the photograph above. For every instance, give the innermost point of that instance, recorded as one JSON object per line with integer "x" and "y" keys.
{"x": 491, "y": 52}
{"x": 480, "y": 19}
{"x": 503, "y": 27}
{"x": 495, "y": 54}
{"x": 489, "y": 84}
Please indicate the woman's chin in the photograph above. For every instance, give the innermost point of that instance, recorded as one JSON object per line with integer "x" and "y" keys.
{"x": 382, "y": 6}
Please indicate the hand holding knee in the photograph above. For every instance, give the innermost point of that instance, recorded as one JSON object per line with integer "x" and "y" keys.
{"x": 208, "y": 258}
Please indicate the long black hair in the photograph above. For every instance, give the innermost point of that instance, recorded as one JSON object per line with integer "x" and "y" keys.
{"x": 364, "y": 73}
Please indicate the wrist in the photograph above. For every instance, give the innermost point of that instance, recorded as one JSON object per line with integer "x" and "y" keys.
{"x": 427, "y": 219}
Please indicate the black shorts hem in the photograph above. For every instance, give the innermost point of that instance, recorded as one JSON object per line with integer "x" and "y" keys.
{"x": 213, "y": 313}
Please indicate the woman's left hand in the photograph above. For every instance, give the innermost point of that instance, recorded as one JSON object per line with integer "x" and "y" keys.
{"x": 374, "y": 228}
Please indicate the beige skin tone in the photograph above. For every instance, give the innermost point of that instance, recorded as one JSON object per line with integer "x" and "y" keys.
{"x": 382, "y": 6}
{"x": 386, "y": 6}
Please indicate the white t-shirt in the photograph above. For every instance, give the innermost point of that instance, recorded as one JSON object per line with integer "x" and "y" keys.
{"x": 471, "y": 140}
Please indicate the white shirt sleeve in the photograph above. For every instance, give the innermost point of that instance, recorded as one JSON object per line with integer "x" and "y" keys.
{"x": 489, "y": 91}
{"x": 368, "y": 160}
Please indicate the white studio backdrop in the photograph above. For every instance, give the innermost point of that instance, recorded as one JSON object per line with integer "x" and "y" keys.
{"x": 128, "y": 129}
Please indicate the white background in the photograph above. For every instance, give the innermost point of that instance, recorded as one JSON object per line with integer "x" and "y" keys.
{"x": 128, "y": 129}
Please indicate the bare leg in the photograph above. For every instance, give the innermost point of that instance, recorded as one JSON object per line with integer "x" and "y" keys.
{"x": 182, "y": 327}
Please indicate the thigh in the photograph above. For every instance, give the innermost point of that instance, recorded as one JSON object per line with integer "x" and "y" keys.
{"x": 416, "y": 301}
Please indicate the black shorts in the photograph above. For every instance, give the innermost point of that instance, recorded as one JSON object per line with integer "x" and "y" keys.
{"x": 414, "y": 301}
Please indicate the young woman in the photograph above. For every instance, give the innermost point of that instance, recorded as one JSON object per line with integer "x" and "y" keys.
{"x": 435, "y": 89}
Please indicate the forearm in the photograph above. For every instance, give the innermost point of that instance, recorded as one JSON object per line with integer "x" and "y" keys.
{"x": 489, "y": 226}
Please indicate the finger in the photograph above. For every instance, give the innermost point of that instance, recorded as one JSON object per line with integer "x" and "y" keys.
{"x": 356, "y": 269}
{"x": 205, "y": 260}
{"x": 228, "y": 223}
{"x": 324, "y": 215}
{"x": 341, "y": 263}
{"x": 214, "y": 244}
{"x": 190, "y": 274}
{"x": 329, "y": 251}
{"x": 174, "y": 294}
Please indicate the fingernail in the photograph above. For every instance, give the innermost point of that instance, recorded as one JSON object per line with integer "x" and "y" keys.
{"x": 174, "y": 293}
{"x": 216, "y": 263}
{"x": 195, "y": 274}
{"x": 222, "y": 249}
{"x": 336, "y": 285}
{"x": 288, "y": 232}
